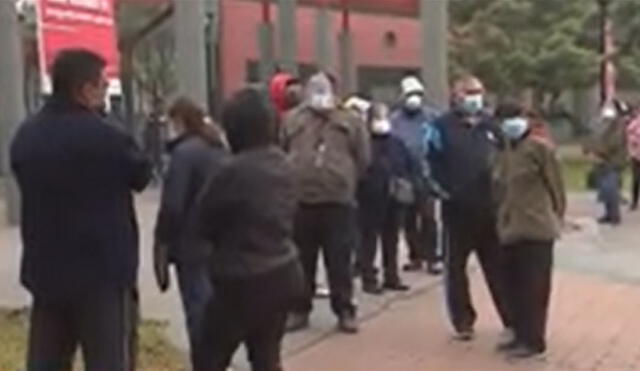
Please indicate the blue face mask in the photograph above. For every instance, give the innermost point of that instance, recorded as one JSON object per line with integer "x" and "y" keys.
{"x": 473, "y": 103}
{"x": 515, "y": 128}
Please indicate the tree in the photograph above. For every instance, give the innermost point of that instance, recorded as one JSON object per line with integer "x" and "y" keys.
{"x": 514, "y": 45}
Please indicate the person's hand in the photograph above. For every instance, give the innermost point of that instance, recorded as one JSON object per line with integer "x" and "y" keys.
{"x": 161, "y": 266}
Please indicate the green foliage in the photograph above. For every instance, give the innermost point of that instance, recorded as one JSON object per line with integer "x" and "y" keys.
{"x": 518, "y": 44}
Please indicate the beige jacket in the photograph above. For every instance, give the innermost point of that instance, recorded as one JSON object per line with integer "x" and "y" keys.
{"x": 329, "y": 154}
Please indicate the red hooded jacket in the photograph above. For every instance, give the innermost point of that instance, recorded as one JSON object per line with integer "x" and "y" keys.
{"x": 278, "y": 92}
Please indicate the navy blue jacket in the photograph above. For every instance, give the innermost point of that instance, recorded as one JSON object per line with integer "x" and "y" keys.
{"x": 390, "y": 159}
{"x": 76, "y": 175}
{"x": 193, "y": 162}
{"x": 463, "y": 164}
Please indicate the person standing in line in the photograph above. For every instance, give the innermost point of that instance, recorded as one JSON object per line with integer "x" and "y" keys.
{"x": 330, "y": 151}
{"x": 285, "y": 92}
{"x": 411, "y": 124}
{"x": 463, "y": 166}
{"x": 247, "y": 215}
{"x": 608, "y": 149}
{"x": 383, "y": 194}
{"x": 76, "y": 175}
{"x": 531, "y": 199}
{"x": 633, "y": 145}
{"x": 197, "y": 153}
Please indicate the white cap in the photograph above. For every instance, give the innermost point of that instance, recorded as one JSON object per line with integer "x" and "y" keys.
{"x": 411, "y": 84}
{"x": 358, "y": 103}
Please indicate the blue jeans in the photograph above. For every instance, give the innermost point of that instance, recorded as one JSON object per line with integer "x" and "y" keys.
{"x": 195, "y": 291}
{"x": 609, "y": 183}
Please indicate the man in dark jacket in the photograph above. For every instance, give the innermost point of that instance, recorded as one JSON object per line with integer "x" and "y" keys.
{"x": 463, "y": 166}
{"x": 80, "y": 259}
{"x": 329, "y": 149}
{"x": 383, "y": 195}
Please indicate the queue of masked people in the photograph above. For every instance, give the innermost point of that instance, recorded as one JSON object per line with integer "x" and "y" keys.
{"x": 249, "y": 205}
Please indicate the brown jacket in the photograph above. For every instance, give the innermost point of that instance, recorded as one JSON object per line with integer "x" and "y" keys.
{"x": 329, "y": 154}
{"x": 530, "y": 190}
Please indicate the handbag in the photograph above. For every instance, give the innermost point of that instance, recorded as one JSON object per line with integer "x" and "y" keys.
{"x": 402, "y": 191}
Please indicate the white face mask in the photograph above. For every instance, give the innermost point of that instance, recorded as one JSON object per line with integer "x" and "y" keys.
{"x": 322, "y": 102}
{"x": 473, "y": 103}
{"x": 381, "y": 126}
{"x": 515, "y": 128}
{"x": 413, "y": 102}
{"x": 608, "y": 113}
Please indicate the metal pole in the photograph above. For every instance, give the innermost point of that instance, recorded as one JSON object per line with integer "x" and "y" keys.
{"x": 190, "y": 20}
{"x": 212, "y": 43}
{"x": 12, "y": 107}
{"x": 266, "y": 43}
{"x": 345, "y": 39}
{"x": 323, "y": 39}
{"x": 434, "y": 17}
{"x": 288, "y": 36}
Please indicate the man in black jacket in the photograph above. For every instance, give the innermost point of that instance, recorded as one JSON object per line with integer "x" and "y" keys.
{"x": 464, "y": 167}
{"x": 80, "y": 259}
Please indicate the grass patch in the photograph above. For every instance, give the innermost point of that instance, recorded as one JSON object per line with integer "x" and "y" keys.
{"x": 155, "y": 352}
{"x": 575, "y": 173}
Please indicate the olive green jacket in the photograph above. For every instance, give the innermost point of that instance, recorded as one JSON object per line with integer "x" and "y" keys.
{"x": 609, "y": 144}
{"x": 529, "y": 187}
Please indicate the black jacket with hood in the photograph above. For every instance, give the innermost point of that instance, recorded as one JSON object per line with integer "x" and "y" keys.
{"x": 193, "y": 161}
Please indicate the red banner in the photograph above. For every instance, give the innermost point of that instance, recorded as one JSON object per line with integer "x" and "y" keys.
{"x": 87, "y": 24}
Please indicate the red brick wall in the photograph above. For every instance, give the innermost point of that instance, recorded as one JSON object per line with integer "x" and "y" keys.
{"x": 239, "y": 38}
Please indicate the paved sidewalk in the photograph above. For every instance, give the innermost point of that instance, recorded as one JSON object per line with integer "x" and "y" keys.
{"x": 594, "y": 326}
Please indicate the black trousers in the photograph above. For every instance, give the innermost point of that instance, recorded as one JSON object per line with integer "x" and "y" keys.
{"x": 386, "y": 235}
{"x": 330, "y": 228}
{"x": 529, "y": 266}
{"x": 252, "y": 311}
{"x": 635, "y": 183}
{"x": 421, "y": 232}
{"x": 102, "y": 323}
{"x": 465, "y": 236}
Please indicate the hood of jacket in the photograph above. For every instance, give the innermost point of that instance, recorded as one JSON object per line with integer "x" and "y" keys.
{"x": 278, "y": 91}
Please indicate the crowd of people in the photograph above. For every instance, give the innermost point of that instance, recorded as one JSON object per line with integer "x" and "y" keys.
{"x": 250, "y": 204}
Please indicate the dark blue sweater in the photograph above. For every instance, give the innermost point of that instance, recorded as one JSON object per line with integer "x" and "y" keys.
{"x": 76, "y": 175}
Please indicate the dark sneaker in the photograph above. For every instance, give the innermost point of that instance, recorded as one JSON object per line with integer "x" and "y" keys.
{"x": 464, "y": 335}
{"x": 434, "y": 269}
{"x": 372, "y": 288}
{"x": 609, "y": 221}
{"x": 347, "y": 324}
{"x": 297, "y": 322}
{"x": 507, "y": 346}
{"x": 525, "y": 352}
{"x": 413, "y": 266}
{"x": 396, "y": 286}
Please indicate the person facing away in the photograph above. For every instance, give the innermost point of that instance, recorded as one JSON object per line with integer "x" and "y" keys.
{"x": 197, "y": 153}
{"x": 411, "y": 123}
{"x": 608, "y": 148}
{"x": 531, "y": 203}
{"x": 383, "y": 195}
{"x": 247, "y": 215}
{"x": 463, "y": 166}
{"x": 76, "y": 175}
{"x": 329, "y": 148}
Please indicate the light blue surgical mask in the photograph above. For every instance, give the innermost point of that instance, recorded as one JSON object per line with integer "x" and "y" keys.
{"x": 473, "y": 103}
{"x": 515, "y": 128}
